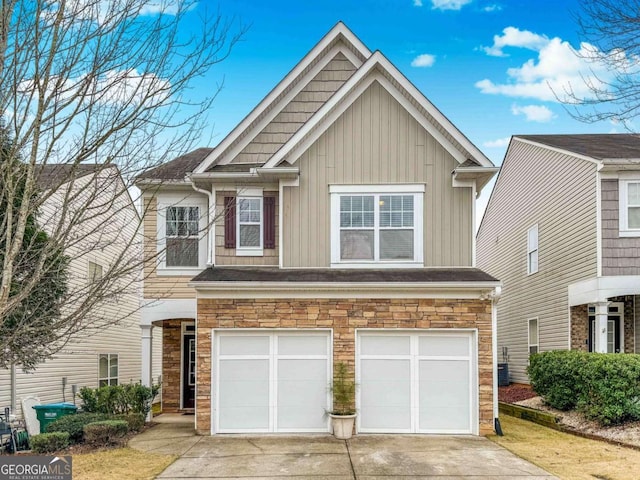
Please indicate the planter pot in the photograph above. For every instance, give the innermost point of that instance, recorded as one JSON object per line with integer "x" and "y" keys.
{"x": 342, "y": 425}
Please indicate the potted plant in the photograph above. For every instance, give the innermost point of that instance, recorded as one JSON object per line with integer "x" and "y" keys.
{"x": 343, "y": 415}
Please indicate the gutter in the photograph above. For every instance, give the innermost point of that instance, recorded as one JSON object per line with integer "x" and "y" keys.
{"x": 211, "y": 225}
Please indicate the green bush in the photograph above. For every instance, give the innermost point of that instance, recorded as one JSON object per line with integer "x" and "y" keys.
{"x": 106, "y": 432}
{"x": 557, "y": 377}
{"x": 135, "y": 421}
{"x": 49, "y": 442}
{"x": 73, "y": 425}
{"x": 119, "y": 399}
{"x": 605, "y": 387}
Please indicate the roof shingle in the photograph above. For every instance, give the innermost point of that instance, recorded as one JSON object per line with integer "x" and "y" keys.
{"x": 613, "y": 146}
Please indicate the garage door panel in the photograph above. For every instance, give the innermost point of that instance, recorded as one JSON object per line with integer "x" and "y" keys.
{"x": 302, "y": 345}
{"x": 444, "y": 395}
{"x": 444, "y": 345}
{"x": 302, "y": 394}
{"x": 244, "y": 345}
{"x": 280, "y": 390}
{"x": 243, "y": 394}
{"x": 378, "y": 345}
{"x": 385, "y": 393}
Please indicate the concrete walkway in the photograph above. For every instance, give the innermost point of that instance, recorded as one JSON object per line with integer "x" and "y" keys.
{"x": 322, "y": 456}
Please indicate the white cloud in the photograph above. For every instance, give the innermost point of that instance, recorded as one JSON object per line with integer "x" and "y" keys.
{"x": 497, "y": 143}
{"x": 514, "y": 37}
{"x": 417, "y": 3}
{"x": 492, "y": 8}
{"x": 533, "y": 113}
{"x": 557, "y": 70}
{"x": 449, "y": 4}
{"x": 424, "y": 60}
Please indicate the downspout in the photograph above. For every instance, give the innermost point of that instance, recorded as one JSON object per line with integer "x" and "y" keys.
{"x": 495, "y": 298}
{"x": 210, "y": 222}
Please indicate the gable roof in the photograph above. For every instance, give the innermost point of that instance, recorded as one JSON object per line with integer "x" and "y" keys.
{"x": 611, "y": 146}
{"x": 338, "y": 39}
{"x": 379, "y": 68}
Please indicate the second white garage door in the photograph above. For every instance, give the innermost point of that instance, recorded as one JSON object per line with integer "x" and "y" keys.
{"x": 270, "y": 381}
{"x": 412, "y": 382}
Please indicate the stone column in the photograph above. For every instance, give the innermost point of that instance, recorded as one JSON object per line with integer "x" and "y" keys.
{"x": 147, "y": 352}
{"x": 601, "y": 327}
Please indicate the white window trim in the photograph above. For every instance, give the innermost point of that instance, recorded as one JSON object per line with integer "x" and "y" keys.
{"x": 623, "y": 219}
{"x": 108, "y": 378}
{"x": 97, "y": 264}
{"x": 417, "y": 190}
{"x": 250, "y": 251}
{"x": 181, "y": 200}
{"x": 530, "y": 270}
{"x": 529, "y": 344}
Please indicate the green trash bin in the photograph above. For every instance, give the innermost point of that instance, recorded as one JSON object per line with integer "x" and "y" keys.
{"x": 51, "y": 412}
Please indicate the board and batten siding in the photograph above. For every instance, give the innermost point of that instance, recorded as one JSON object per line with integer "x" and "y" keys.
{"x": 227, "y": 256}
{"x": 159, "y": 286}
{"x": 620, "y": 255}
{"x": 376, "y": 141}
{"x": 297, "y": 111}
{"x": 558, "y": 193}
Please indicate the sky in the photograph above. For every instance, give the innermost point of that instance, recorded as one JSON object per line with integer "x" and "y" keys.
{"x": 486, "y": 64}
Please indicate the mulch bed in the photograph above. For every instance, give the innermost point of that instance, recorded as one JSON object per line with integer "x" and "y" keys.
{"x": 516, "y": 392}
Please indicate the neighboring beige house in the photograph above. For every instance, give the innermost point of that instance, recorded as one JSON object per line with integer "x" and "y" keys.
{"x": 111, "y": 356}
{"x": 335, "y": 223}
{"x": 562, "y": 232}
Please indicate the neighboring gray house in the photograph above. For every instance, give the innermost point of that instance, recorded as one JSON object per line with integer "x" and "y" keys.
{"x": 562, "y": 232}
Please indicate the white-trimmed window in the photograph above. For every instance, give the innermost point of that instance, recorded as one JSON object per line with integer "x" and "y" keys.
{"x": 182, "y": 238}
{"x": 533, "y": 335}
{"x": 629, "y": 203}
{"x": 107, "y": 369}
{"x": 377, "y": 225}
{"x": 249, "y": 225}
{"x": 182, "y": 233}
{"x": 532, "y": 250}
{"x": 95, "y": 272}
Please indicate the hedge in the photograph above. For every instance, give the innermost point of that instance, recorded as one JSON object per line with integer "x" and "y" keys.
{"x": 49, "y": 442}
{"x": 107, "y": 432}
{"x": 604, "y": 386}
{"x": 73, "y": 425}
{"x": 119, "y": 399}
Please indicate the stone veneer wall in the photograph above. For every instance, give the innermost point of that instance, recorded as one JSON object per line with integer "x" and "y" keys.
{"x": 579, "y": 328}
{"x": 171, "y": 361}
{"x": 344, "y": 316}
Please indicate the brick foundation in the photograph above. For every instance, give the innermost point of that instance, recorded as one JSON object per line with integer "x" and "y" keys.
{"x": 579, "y": 328}
{"x": 344, "y": 316}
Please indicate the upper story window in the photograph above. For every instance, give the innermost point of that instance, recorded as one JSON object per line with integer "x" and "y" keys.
{"x": 95, "y": 272}
{"x": 182, "y": 239}
{"x": 249, "y": 226}
{"x": 532, "y": 250}
{"x": 182, "y": 227}
{"x": 629, "y": 200}
{"x": 377, "y": 225}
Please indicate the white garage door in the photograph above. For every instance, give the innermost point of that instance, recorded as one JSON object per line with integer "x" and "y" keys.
{"x": 417, "y": 382}
{"x": 270, "y": 381}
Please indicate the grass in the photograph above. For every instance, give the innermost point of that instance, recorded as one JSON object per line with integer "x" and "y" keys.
{"x": 119, "y": 463}
{"x": 567, "y": 456}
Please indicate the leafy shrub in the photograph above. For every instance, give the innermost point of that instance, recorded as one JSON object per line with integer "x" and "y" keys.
{"x": 106, "y": 432}
{"x": 605, "y": 387}
{"x": 119, "y": 399}
{"x": 49, "y": 442}
{"x": 344, "y": 390}
{"x": 135, "y": 421}
{"x": 73, "y": 425}
{"x": 556, "y": 376}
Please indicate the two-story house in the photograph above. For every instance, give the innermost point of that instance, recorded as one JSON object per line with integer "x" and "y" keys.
{"x": 562, "y": 232}
{"x": 106, "y": 349}
{"x": 335, "y": 223}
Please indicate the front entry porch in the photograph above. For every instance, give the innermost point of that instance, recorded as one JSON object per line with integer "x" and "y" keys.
{"x": 610, "y": 326}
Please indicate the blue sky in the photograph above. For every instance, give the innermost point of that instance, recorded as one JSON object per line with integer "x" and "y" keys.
{"x": 486, "y": 64}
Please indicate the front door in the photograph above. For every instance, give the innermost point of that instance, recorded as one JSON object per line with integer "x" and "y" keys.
{"x": 188, "y": 370}
{"x": 614, "y": 326}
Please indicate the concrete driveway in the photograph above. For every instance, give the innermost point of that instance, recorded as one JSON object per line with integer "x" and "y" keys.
{"x": 322, "y": 456}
